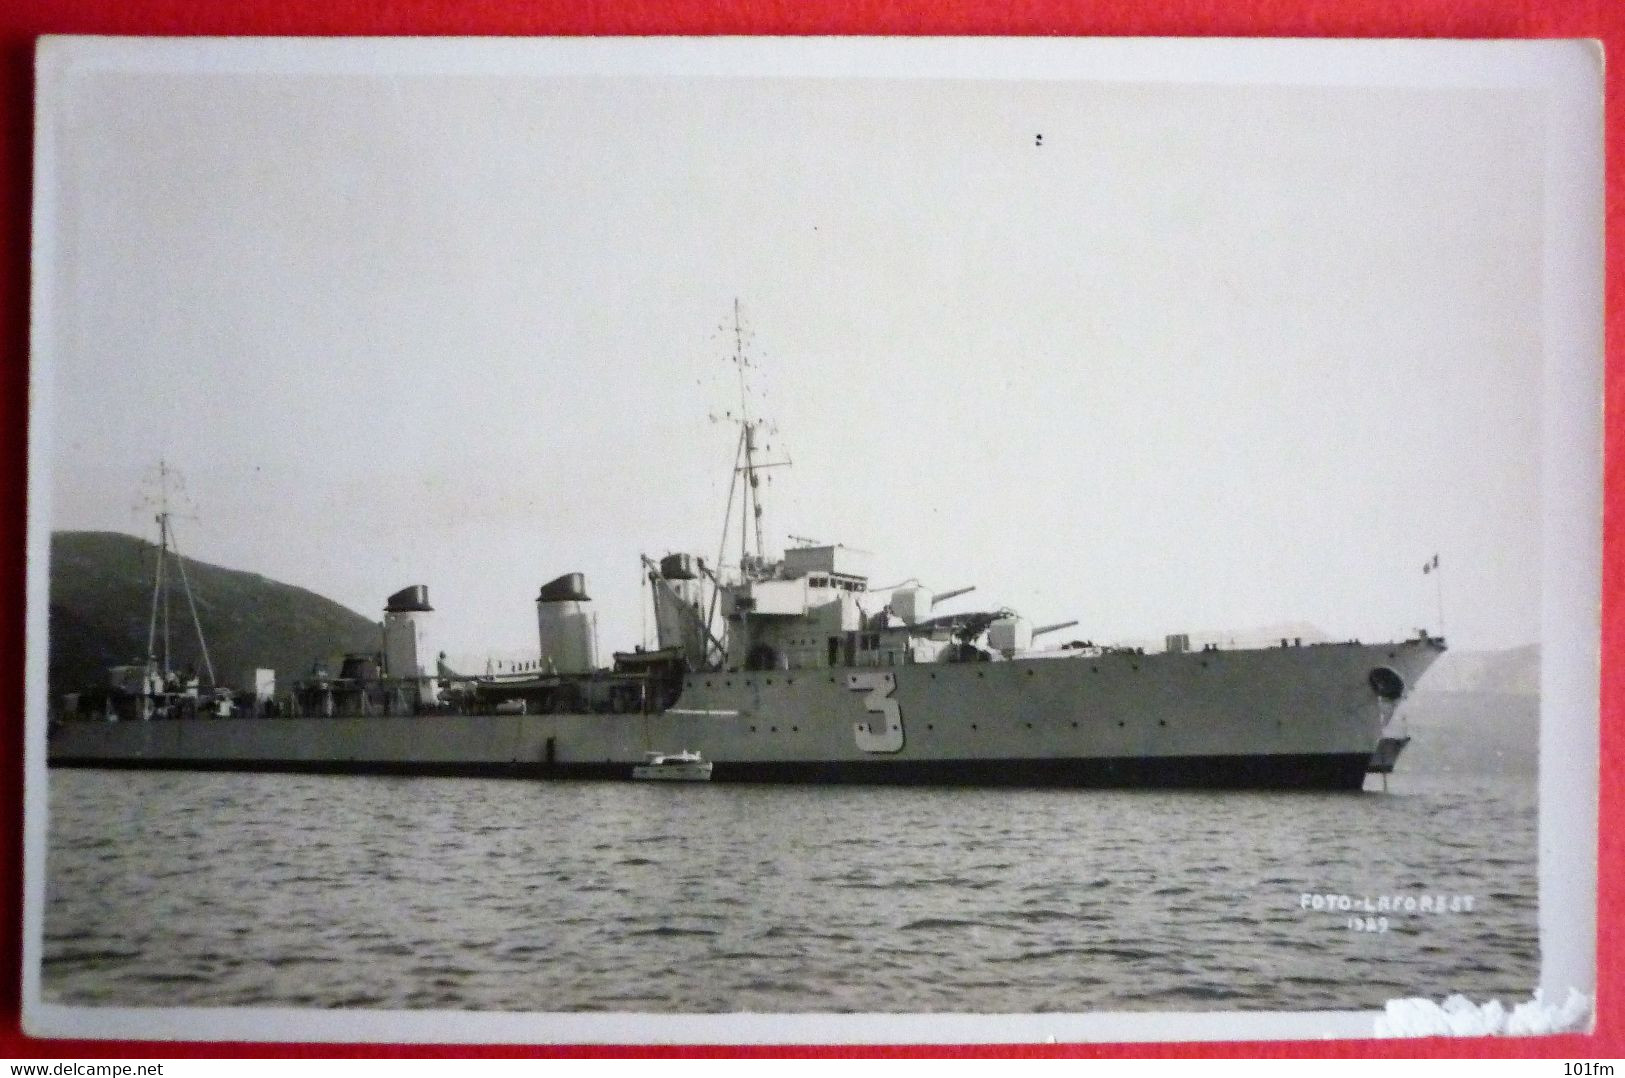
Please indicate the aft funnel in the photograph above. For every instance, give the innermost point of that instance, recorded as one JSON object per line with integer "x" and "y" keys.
{"x": 567, "y": 629}
{"x": 406, "y": 646}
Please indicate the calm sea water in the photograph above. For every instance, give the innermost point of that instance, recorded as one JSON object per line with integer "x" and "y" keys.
{"x": 241, "y": 889}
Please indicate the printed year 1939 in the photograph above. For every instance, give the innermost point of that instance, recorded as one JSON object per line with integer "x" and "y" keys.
{"x": 1368, "y": 924}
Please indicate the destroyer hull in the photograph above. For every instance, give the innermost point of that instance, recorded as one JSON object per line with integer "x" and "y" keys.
{"x": 1291, "y": 717}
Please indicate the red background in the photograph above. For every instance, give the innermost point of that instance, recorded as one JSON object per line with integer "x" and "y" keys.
{"x": 21, "y": 23}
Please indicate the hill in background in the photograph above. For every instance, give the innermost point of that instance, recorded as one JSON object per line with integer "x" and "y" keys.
{"x": 101, "y": 598}
{"x": 1513, "y": 672}
{"x": 1477, "y": 712}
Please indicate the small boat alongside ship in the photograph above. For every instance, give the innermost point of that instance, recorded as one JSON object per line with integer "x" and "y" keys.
{"x": 682, "y": 766}
{"x": 789, "y": 667}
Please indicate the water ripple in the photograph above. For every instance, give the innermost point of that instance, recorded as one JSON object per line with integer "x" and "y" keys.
{"x": 335, "y": 891}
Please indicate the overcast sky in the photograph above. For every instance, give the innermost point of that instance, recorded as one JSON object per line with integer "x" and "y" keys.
{"x": 1160, "y": 358}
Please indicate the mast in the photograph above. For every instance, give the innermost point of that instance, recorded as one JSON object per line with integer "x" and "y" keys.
{"x": 160, "y": 586}
{"x": 750, "y": 509}
{"x": 167, "y": 543}
{"x": 163, "y": 557}
{"x": 750, "y": 498}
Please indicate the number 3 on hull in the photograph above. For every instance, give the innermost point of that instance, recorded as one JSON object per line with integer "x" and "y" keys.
{"x": 886, "y": 735}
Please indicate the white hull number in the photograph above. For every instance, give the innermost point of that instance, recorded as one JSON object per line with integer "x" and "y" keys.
{"x": 886, "y": 733}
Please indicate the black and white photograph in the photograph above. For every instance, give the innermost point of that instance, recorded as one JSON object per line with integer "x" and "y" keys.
{"x": 752, "y": 540}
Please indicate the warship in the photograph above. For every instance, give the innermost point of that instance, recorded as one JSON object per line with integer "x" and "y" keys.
{"x": 788, "y": 668}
